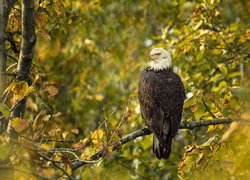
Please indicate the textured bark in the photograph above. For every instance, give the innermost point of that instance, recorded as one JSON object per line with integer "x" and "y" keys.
{"x": 5, "y": 8}
{"x": 145, "y": 131}
{"x": 25, "y": 58}
{"x": 2, "y": 51}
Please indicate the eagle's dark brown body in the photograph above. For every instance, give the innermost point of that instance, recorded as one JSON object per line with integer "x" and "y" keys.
{"x": 161, "y": 96}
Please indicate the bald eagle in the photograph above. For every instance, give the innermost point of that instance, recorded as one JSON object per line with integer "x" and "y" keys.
{"x": 161, "y": 95}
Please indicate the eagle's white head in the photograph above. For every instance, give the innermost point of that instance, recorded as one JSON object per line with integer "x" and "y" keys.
{"x": 159, "y": 59}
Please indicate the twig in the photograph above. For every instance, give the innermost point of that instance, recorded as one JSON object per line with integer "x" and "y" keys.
{"x": 11, "y": 66}
{"x": 68, "y": 151}
{"x": 204, "y": 103}
{"x": 12, "y": 57}
{"x": 9, "y": 74}
{"x": 55, "y": 140}
{"x": 64, "y": 172}
{"x": 120, "y": 123}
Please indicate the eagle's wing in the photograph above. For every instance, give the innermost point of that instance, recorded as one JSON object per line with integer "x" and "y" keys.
{"x": 151, "y": 113}
{"x": 161, "y": 100}
{"x": 170, "y": 95}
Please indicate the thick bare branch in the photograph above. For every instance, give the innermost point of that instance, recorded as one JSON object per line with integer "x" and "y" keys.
{"x": 145, "y": 131}
{"x": 25, "y": 57}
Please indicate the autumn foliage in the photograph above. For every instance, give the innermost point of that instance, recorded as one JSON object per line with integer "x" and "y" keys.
{"x": 81, "y": 93}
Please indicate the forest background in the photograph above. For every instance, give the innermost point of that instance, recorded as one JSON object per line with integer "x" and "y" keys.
{"x": 77, "y": 84}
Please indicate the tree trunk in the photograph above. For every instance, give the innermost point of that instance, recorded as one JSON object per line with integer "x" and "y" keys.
{"x": 2, "y": 51}
{"x": 5, "y": 8}
{"x": 25, "y": 59}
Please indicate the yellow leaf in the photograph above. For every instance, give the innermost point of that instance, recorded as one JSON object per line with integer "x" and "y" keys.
{"x": 81, "y": 144}
{"x": 48, "y": 145}
{"x": 216, "y": 77}
{"x": 216, "y": 13}
{"x": 110, "y": 149}
{"x": 213, "y": 36}
{"x": 217, "y": 51}
{"x": 54, "y": 131}
{"x": 48, "y": 172}
{"x": 220, "y": 86}
{"x": 223, "y": 68}
{"x": 45, "y": 146}
{"x": 198, "y": 25}
{"x": 56, "y": 157}
{"x": 68, "y": 169}
{"x": 234, "y": 74}
{"x": 19, "y": 124}
{"x": 187, "y": 48}
{"x": 97, "y": 136}
{"x": 57, "y": 114}
{"x": 211, "y": 128}
{"x": 59, "y": 7}
{"x": 20, "y": 89}
{"x": 90, "y": 44}
{"x": 31, "y": 104}
{"x": 64, "y": 134}
{"x": 74, "y": 131}
{"x": 99, "y": 97}
{"x": 78, "y": 145}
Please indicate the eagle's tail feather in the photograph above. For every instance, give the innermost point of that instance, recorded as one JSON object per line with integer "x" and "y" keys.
{"x": 162, "y": 150}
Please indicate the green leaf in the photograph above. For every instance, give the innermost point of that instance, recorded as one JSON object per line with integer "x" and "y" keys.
{"x": 4, "y": 110}
{"x": 4, "y": 151}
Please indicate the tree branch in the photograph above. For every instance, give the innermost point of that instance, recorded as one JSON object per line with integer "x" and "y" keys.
{"x": 145, "y": 131}
{"x": 25, "y": 58}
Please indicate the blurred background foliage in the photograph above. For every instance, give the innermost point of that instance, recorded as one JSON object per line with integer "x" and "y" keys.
{"x": 88, "y": 58}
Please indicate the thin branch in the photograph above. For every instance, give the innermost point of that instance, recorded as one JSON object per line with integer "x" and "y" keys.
{"x": 11, "y": 66}
{"x": 200, "y": 123}
{"x": 205, "y": 104}
{"x": 55, "y": 140}
{"x": 70, "y": 151}
{"x": 118, "y": 126}
{"x": 12, "y": 57}
{"x": 9, "y": 74}
{"x": 145, "y": 131}
{"x": 64, "y": 172}
{"x": 13, "y": 46}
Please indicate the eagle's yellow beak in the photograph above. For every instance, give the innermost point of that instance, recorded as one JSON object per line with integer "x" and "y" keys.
{"x": 153, "y": 57}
